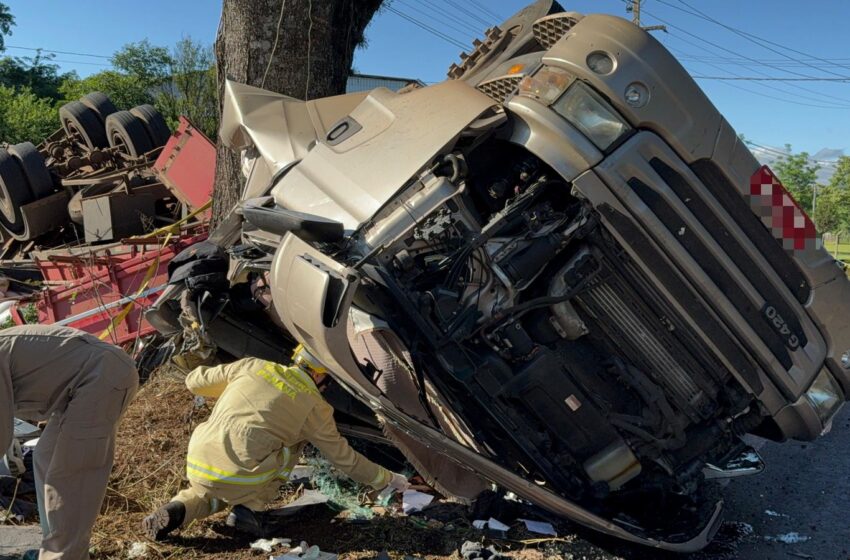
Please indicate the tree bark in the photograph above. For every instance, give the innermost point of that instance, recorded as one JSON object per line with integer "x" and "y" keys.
{"x": 301, "y": 48}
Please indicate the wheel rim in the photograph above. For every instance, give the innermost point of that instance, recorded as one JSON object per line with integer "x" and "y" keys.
{"x": 118, "y": 141}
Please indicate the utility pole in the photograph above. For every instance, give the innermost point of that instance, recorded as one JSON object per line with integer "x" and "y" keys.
{"x": 634, "y": 8}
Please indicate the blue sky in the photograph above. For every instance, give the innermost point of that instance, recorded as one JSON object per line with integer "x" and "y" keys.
{"x": 811, "y": 115}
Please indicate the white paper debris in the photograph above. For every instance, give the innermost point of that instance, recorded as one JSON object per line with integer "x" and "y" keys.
{"x": 789, "y": 538}
{"x": 305, "y": 552}
{"x": 772, "y": 513}
{"x": 492, "y": 523}
{"x": 301, "y": 471}
{"x": 539, "y": 527}
{"x": 267, "y": 545}
{"x": 413, "y": 500}
{"x": 138, "y": 550}
{"x": 31, "y": 443}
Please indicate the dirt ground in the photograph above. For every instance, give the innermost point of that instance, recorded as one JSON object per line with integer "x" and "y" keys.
{"x": 149, "y": 469}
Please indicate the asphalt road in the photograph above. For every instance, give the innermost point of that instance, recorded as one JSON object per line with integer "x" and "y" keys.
{"x": 804, "y": 489}
{"x": 802, "y": 497}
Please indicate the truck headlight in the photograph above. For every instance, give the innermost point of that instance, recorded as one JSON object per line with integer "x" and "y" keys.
{"x": 825, "y": 396}
{"x": 587, "y": 111}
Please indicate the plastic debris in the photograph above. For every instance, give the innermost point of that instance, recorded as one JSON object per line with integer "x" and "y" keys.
{"x": 305, "y": 552}
{"x": 493, "y": 524}
{"x": 772, "y": 513}
{"x": 267, "y": 545}
{"x": 414, "y": 500}
{"x": 471, "y": 550}
{"x": 138, "y": 550}
{"x": 789, "y": 538}
{"x": 308, "y": 499}
{"x": 343, "y": 493}
{"x": 539, "y": 527}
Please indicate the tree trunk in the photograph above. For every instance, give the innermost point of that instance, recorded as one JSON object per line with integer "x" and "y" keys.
{"x": 301, "y": 48}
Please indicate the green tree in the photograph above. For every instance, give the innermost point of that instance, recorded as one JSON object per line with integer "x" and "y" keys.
{"x": 798, "y": 174}
{"x": 38, "y": 73}
{"x": 7, "y": 20}
{"x": 191, "y": 89}
{"x": 141, "y": 70}
{"x": 841, "y": 177}
{"x": 124, "y": 90}
{"x": 148, "y": 63}
{"x": 25, "y": 116}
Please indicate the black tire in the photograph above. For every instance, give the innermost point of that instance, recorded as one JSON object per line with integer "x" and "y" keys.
{"x": 100, "y": 103}
{"x": 79, "y": 119}
{"x": 154, "y": 124}
{"x": 14, "y": 193}
{"x": 35, "y": 170}
{"x": 127, "y": 132}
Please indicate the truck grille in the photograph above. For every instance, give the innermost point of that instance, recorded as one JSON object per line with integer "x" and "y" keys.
{"x": 549, "y": 30}
{"x": 732, "y": 201}
{"x": 498, "y": 89}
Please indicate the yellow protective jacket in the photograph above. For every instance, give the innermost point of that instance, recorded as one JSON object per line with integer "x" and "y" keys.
{"x": 264, "y": 415}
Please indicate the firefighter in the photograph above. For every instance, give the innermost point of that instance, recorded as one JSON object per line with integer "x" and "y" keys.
{"x": 81, "y": 386}
{"x": 245, "y": 451}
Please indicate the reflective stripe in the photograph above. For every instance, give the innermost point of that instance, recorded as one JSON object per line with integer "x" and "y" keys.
{"x": 208, "y": 472}
{"x": 289, "y": 381}
{"x": 283, "y": 473}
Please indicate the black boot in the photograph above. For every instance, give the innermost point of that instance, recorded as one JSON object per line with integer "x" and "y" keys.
{"x": 157, "y": 525}
{"x": 246, "y": 520}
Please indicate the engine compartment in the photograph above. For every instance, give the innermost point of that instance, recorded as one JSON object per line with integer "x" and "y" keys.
{"x": 558, "y": 354}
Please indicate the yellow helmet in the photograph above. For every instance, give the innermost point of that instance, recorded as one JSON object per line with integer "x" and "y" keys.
{"x": 303, "y": 358}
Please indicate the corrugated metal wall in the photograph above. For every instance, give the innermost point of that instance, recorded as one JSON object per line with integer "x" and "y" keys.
{"x": 358, "y": 82}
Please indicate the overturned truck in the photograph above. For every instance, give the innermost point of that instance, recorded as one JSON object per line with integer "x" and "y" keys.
{"x": 593, "y": 287}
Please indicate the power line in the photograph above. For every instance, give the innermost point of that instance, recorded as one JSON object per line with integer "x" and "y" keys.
{"x": 437, "y": 14}
{"x": 488, "y": 11}
{"x": 428, "y": 28}
{"x": 757, "y": 79}
{"x": 781, "y": 153}
{"x": 715, "y": 45}
{"x": 471, "y": 14}
{"x": 749, "y": 36}
{"x": 101, "y": 64}
{"x": 58, "y": 52}
{"x": 821, "y": 102}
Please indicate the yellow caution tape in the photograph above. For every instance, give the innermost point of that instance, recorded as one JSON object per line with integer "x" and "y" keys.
{"x": 151, "y": 272}
{"x": 175, "y": 227}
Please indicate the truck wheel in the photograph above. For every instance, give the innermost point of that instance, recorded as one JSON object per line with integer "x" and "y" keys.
{"x": 80, "y": 120}
{"x": 100, "y": 103}
{"x": 35, "y": 170}
{"x": 154, "y": 124}
{"x": 127, "y": 133}
{"x": 14, "y": 193}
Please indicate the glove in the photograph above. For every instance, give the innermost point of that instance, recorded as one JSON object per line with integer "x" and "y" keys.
{"x": 398, "y": 482}
{"x": 14, "y": 459}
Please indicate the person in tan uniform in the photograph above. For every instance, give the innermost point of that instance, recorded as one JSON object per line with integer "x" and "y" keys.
{"x": 244, "y": 452}
{"x": 81, "y": 386}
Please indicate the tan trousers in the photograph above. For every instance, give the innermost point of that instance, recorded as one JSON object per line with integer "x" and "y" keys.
{"x": 74, "y": 457}
{"x": 202, "y": 500}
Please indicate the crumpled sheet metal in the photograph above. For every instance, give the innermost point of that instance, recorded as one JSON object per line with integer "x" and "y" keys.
{"x": 374, "y": 343}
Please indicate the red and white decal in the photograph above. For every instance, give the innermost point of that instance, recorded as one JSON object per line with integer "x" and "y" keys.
{"x": 781, "y": 213}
